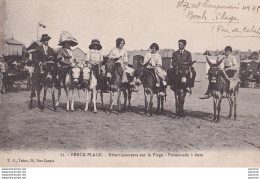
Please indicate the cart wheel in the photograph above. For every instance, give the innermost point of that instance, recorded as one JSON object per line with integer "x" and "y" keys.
{"x": 257, "y": 85}
{"x": 247, "y": 84}
{"x": 9, "y": 86}
{"x": 18, "y": 87}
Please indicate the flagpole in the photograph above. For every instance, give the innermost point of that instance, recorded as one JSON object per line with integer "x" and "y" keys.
{"x": 37, "y": 33}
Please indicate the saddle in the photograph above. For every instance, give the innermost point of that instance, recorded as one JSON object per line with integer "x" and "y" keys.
{"x": 233, "y": 78}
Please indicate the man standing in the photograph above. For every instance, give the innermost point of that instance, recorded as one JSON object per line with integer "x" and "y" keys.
{"x": 180, "y": 57}
{"x": 43, "y": 53}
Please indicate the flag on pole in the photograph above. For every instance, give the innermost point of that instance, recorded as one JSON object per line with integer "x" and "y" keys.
{"x": 41, "y": 25}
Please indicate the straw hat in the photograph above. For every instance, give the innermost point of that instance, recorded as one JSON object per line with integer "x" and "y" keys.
{"x": 67, "y": 37}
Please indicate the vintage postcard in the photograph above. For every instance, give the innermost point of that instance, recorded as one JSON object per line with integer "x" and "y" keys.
{"x": 129, "y": 83}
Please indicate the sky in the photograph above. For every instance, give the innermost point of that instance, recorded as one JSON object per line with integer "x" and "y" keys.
{"x": 140, "y": 23}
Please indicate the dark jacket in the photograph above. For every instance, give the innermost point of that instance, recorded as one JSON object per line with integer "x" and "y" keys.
{"x": 41, "y": 56}
{"x": 178, "y": 58}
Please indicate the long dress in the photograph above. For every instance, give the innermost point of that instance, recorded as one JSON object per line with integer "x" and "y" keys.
{"x": 116, "y": 53}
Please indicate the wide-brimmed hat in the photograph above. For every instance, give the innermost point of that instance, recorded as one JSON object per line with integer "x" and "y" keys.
{"x": 67, "y": 37}
{"x": 45, "y": 37}
{"x": 95, "y": 42}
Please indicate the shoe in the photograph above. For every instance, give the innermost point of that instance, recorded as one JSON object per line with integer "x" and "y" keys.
{"x": 164, "y": 83}
{"x": 157, "y": 85}
{"x": 105, "y": 91}
{"x": 188, "y": 90}
{"x": 206, "y": 96}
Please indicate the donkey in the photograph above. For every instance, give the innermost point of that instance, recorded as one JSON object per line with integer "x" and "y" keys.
{"x": 44, "y": 79}
{"x": 50, "y": 82}
{"x": 114, "y": 72}
{"x": 179, "y": 79}
{"x": 218, "y": 87}
{"x": 91, "y": 78}
{"x": 69, "y": 80}
{"x": 148, "y": 80}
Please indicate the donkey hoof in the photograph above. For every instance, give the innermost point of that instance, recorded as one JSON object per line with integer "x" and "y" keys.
{"x": 55, "y": 110}
{"x": 118, "y": 113}
{"x": 85, "y": 110}
{"x": 108, "y": 112}
{"x": 94, "y": 112}
{"x": 72, "y": 110}
{"x": 30, "y": 106}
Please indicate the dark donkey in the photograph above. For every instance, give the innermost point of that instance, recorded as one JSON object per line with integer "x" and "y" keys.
{"x": 46, "y": 79}
{"x": 148, "y": 79}
{"x": 218, "y": 87}
{"x": 179, "y": 81}
{"x": 115, "y": 73}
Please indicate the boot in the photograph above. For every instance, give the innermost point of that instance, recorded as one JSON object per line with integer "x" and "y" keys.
{"x": 208, "y": 94}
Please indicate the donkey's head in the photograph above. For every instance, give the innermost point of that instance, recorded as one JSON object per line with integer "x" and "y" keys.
{"x": 75, "y": 73}
{"x": 50, "y": 69}
{"x": 183, "y": 72}
{"x": 213, "y": 70}
{"x": 110, "y": 67}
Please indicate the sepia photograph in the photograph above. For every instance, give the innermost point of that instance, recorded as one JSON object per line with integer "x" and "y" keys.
{"x": 120, "y": 83}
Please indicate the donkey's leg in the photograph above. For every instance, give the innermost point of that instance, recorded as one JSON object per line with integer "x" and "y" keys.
{"x": 58, "y": 96}
{"x": 145, "y": 103}
{"x": 176, "y": 102}
{"x": 68, "y": 98}
{"x": 158, "y": 104}
{"x": 53, "y": 91}
{"x": 32, "y": 95}
{"x": 151, "y": 103}
{"x": 162, "y": 108}
{"x": 44, "y": 97}
{"x": 119, "y": 101}
{"x": 125, "y": 99}
{"x": 72, "y": 99}
{"x": 129, "y": 99}
{"x": 87, "y": 101}
{"x": 91, "y": 98}
{"x": 230, "y": 101}
{"x": 111, "y": 102}
{"x": 219, "y": 107}
{"x": 39, "y": 97}
{"x": 214, "y": 108}
{"x": 94, "y": 92}
{"x": 235, "y": 104}
{"x": 182, "y": 100}
{"x": 102, "y": 100}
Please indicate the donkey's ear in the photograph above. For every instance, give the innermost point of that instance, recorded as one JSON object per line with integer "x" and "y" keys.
{"x": 210, "y": 64}
{"x": 219, "y": 62}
